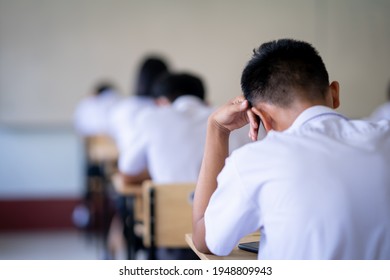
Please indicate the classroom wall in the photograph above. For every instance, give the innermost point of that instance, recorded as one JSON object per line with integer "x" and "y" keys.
{"x": 41, "y": 177}
{"x": 53, "y": 51}
{"x": 41, "y": 162}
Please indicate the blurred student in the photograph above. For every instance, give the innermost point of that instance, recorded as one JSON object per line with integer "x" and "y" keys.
{"x": 383, "y": 111}
{"x": 123, "y": 116}
{"x": 177, "y": 127}
{"x": 122, "y": 119}
{"x": 317, "y": 186}
{"x": 91, "y": 120}
{"x": 170, "y": 139}
{"x": 91, "y": 114}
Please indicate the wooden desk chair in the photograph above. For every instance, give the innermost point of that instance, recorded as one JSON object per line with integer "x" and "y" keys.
{"x": 167, "y": 215}
{"x": 132, "y": 215}
{"x": 101, "y": 155}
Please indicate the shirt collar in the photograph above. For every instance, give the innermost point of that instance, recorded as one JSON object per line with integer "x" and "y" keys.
{"x": 312, "y": 113}
{"x": 187, "y": 101}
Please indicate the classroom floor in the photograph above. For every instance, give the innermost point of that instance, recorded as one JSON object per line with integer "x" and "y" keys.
{"x": 55, "y": 245}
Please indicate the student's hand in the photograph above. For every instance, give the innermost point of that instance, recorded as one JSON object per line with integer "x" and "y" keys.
{"x": 236, "y": 114}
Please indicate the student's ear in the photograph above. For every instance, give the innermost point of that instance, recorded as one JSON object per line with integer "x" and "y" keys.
{"x": 334, "y": 89}
{"x": 265, "y": 118}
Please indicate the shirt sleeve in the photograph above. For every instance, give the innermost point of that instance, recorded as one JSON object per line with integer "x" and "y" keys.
{"x": 231, "y": 213}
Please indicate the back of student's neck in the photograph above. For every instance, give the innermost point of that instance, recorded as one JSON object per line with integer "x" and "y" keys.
{"x": 281, "y": 118}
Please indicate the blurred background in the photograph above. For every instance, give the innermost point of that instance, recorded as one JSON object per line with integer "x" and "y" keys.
{"x": 53, "y": 51}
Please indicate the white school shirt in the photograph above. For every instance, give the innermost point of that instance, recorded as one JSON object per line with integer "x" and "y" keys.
{"x": 381, "y": 113}
{"x": 319, "y": 190}
{"x": 91, "y": 114}
{"x": 123, "y": 117}
{"x": 169, "y": 142}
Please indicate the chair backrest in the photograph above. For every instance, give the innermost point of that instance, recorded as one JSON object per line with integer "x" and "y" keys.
{"x": 167, "y": 214}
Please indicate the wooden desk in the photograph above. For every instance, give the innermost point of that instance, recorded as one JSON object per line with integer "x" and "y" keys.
{"x": 123, "y": 188}
{"x": 133, "y": 196}
{"x": 236, "y": 254}
{"x": 131, "y": 191}
{"x": 101, "y": 148}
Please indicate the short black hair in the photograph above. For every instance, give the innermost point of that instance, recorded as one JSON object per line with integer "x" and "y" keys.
{"x": 103, "y": 87}
{"x": 151, "y": 68}
{"x": 173, "y": 86}
{"x": 280, "y": 69}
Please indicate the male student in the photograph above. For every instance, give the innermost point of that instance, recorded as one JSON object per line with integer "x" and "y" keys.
{"x": 317, "y": 186}
{"x": 167, "y": 144}
{"x": 169, "y": 140}
{"x": 123, "y": 116}
{"x": 122, "y": 119}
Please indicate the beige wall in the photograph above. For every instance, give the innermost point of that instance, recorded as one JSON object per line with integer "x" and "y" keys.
{"x": 52, "y": 51}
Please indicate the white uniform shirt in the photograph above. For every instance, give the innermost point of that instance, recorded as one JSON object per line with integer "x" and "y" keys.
{"x": 91, "y": 114}
{"x": 123, "y": 117}
{"x": 381, "y": 113}
{"x": 319, "y": 190}
{"x": 169, "y": 142}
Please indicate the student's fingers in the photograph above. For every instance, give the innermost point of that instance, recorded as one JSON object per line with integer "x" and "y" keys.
{"x": 235, "y": 107}
{"x": 253, "y": 133}
{"x": 238, "y": 104}
{"x": 254, "y": 125}
{"x": 237, "y": 112}
{"x": 253, "y": 119}
{"x": 238, "y": 99}
{"x": 232, "y": 115}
